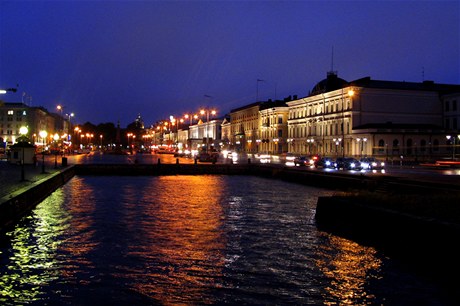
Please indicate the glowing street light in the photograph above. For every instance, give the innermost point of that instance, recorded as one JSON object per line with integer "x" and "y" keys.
{"x": 23, "y": 131}
{"x": 207, "y": 112}
{"x": 56, "y": 138}
{"x": 310, "y": 142}
{"x": 4, "y": 91}
{"x": 337, "y": 141}
{"x": 449, "y": 137}
{"x": 43, "y": 134}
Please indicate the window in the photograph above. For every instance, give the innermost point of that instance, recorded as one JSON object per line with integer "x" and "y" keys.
{"x": 446, "y": 106}
{"x": 454, "y": 105}
{"x": 396, "y": 145}
{"x": 280, "y": 119}
{"x": 409, "y": 146}
{"x": 280, "y": 133}
{"x": 423, "y": 145}
{"x": 381, "y": 145}
{"x": 436, "y": 145}
{"x": 454, "y": 123}
{"x": 447, "y": 123}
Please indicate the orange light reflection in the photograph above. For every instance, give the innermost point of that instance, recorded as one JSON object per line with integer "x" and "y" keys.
{"x": 183, "y": 227}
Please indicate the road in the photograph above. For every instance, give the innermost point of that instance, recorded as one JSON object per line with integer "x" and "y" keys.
{"x": 438, "y": 174}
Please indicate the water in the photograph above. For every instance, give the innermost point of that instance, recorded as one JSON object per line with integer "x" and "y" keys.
{"x": 194, "y": 240}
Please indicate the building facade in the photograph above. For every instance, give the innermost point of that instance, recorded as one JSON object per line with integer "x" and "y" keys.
{"x": 13, "y": 116}
{"x": 370, "y": 117}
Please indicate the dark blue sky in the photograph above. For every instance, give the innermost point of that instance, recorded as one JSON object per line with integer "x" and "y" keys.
{"x": 108, "y": 61}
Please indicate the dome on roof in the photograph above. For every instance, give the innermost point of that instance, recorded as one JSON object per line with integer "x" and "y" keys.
{"x": 332, "y": 82}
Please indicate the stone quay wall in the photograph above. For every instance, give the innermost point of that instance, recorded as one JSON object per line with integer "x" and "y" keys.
{"x": 21, "y": 202}
{"x": 419, "y": 241}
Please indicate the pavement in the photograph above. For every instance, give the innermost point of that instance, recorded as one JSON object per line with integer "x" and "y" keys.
{"x": 11, "y": 175}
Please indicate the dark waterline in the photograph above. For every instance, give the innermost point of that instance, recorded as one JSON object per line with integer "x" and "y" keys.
{"x": 194, "y": 240}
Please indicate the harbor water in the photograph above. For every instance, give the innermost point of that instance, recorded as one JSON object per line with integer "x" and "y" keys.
{"x": 194, "y": 240}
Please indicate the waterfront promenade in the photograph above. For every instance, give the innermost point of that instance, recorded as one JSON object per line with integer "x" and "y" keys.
{"x": 10, "y": 175}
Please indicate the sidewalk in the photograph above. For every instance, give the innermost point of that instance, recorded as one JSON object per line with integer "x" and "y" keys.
{"x": 10, "y": 175}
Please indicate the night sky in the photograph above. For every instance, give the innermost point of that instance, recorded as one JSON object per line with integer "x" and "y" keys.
{"x": 109, "y": 61}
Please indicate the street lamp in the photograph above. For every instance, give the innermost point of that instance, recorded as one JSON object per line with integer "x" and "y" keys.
{"x": 361, "y": 142}
{"x": 56, "y": 138}
{"x": 4, "y": 91}
{"x": 60, "y": 108}
{"x": 337, "y": 141}
{"x": 43, "y": 134}
{"x": 176, "y": 122}
{"x": 310, "y": 142}
{"x": 23, "y": 131}
{"x": 449, "y": 137}
{"x": 69, "y": 116}
{"x": 207, "y": 112}
{"x": 191, "y": 117}
{"x": 350, "y": 94}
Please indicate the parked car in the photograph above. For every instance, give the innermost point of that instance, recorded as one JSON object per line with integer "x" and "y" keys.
{"x": 302, "y": 161}
{"x": 324, "y": 162}
{"x": 347, "y": 163}
{"x": 372, "y": 163}
{"x": 314, "y": 159}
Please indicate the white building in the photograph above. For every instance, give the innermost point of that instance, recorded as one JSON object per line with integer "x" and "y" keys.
{"x": 370, "y": 117}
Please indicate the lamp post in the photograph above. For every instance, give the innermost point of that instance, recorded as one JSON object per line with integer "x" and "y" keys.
{"x": 175, "y": 121}
{"x": 60, "y": 108}
{"x": 23, "y": 131}
{"x": 56, "y": 138}
{"x": 191, "y": 117}
{"x": 129, "y": 135}
{"x": 69, "y": 116}
{"x": 310, "y": 142}
{"x": 337, "y": 141}
{"x": 4, "y": 91}
{"x": 207, "y": 112}
{"x": 449, "y": 137}
{"x": 361, "y": 142}
{"x": 43, "y": 134}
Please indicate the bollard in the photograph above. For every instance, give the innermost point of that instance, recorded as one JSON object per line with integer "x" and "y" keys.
{"x": 249, "y": 160}
{"x": 64, "y": 162}
{"x": 177, "y": 161}
{"x": 159, "y": 161}
{"x": 196, "y": 161}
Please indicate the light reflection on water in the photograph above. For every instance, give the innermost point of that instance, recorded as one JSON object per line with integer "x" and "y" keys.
{"x": 190, "y": 240}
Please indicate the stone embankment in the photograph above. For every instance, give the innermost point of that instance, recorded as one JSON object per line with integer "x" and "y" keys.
{"x": 427, "y": 243}
{"x": 20, "y": 202}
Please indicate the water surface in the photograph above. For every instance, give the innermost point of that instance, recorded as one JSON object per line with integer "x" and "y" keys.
{"x": 194, "y": 240}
